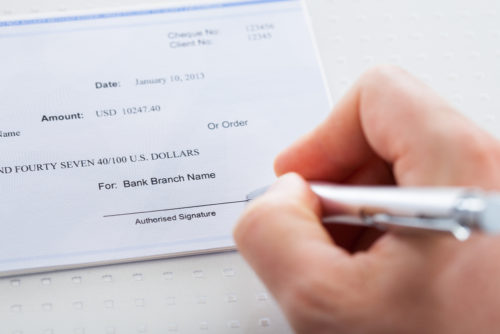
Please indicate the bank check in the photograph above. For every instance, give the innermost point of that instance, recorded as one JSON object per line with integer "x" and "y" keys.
{"x": 137, "y": 133}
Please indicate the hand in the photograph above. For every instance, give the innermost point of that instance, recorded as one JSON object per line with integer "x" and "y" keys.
{"x": 389, "y": 129}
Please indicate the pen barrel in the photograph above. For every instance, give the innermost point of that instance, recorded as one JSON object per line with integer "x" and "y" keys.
{"x": 397, "y": 201}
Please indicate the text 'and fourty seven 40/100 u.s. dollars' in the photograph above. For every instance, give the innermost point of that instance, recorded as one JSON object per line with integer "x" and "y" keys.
{"x": 104, "y": 161}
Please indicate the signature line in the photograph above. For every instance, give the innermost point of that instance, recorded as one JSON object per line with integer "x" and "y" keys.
{"x": 172, "y": 209}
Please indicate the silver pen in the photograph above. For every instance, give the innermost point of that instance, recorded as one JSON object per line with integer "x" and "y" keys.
{"x": 456, "y": 210}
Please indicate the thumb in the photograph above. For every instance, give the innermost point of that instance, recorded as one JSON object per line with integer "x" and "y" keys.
{"x": 280, "y": 234}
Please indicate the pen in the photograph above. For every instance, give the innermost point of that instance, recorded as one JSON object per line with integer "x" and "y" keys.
{"x": 456, "y": 210}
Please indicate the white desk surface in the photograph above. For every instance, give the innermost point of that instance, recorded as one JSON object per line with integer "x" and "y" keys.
{"x": 454, "y": 45}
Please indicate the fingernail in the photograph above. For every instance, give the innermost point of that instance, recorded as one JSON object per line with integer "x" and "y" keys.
{"x": 287, "y": 183}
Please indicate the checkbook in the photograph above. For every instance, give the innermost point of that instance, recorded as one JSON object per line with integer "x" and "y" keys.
{"x": 136, "y": 133}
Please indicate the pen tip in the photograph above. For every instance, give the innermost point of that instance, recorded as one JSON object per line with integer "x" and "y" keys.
{"x": 256, "y": 193}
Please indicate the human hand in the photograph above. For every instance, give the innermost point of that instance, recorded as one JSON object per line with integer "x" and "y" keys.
{"x": 389, "y": 129}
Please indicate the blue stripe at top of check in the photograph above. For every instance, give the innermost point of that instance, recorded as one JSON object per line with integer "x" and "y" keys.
{"x": 102, "y": 16}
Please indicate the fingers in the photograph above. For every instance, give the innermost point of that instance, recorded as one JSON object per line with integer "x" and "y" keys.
{"x": 334, "y": 150}
{"x": 279, "y": 233}
{"x": 390, "y": 116}
{"x": 388, "y": 128}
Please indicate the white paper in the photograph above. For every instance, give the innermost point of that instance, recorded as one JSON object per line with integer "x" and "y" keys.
{"x": 115, "y": 127}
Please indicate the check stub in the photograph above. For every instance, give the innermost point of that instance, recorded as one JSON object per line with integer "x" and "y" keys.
{"x": 137, "y": 134}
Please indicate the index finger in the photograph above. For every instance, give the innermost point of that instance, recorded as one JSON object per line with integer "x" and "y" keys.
{"x": 388, "y": 115}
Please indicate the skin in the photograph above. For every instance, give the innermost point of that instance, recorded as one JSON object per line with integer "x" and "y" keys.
{"x": 389, "y": 129}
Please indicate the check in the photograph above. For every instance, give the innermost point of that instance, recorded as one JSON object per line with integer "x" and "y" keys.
{"x": 137, "y": 134}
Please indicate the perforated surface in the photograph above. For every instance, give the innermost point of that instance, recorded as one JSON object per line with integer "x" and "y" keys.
{"x": 452, "y": 45}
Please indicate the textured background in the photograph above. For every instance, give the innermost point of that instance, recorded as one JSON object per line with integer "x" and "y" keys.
{"x": 453, "y": 45}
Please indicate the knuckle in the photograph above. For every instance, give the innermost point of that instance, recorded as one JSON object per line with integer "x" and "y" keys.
{"x": 386, "y": 83}
{"x": 485, "y": 153}
{"x": 383, "y": 74}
